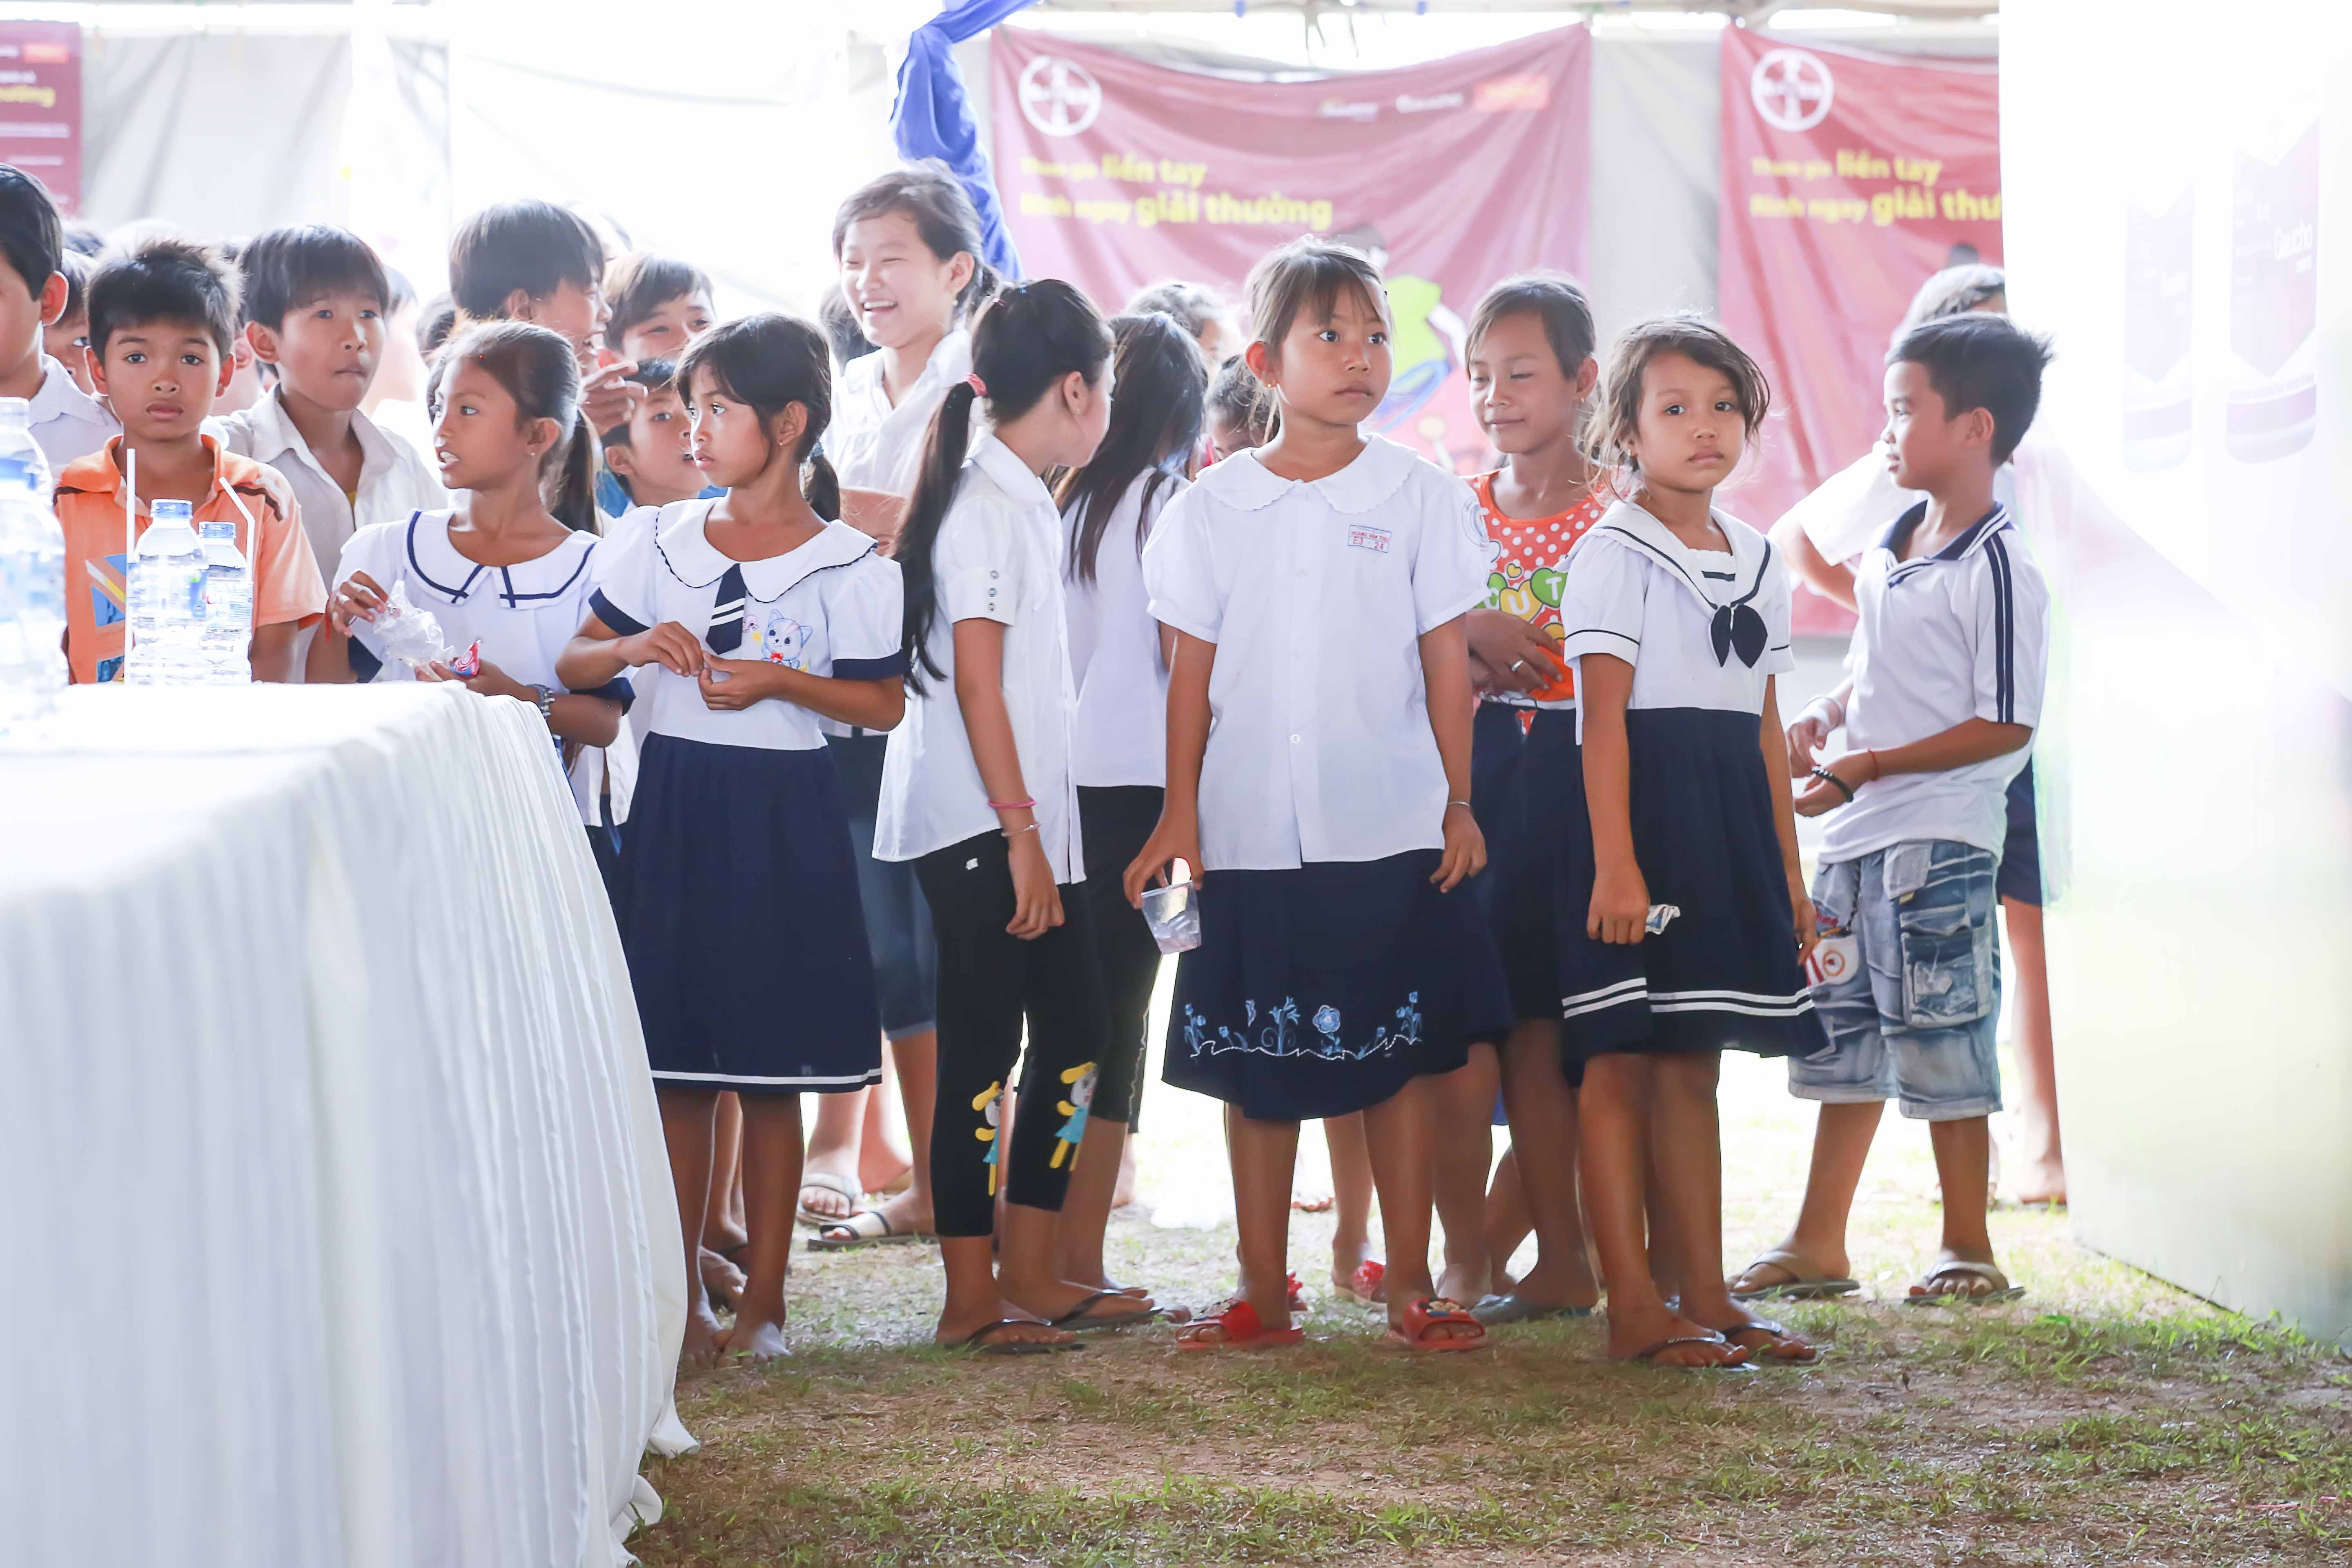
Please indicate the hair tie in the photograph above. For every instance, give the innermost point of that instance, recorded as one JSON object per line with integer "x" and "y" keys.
{"x": 979, "y": 387}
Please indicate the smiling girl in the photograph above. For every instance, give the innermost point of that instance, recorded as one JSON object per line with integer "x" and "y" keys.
{"x": 753, "y": 617}
{"x": 503, "y": 566}
{"x": 1677, "y": 622}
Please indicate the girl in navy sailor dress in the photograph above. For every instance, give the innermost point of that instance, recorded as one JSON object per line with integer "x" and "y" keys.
{"x": 1678, "y": 618}
{"x": 500, "y": 568}
{"x": 750, "y": 615}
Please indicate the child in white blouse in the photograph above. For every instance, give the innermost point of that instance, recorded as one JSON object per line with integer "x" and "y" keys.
{"x": 977, "y": 793}
{"x": 1318, "y": 786}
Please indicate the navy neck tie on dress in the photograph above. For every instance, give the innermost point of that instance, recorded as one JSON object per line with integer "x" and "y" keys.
{"x": 726, "y": 633}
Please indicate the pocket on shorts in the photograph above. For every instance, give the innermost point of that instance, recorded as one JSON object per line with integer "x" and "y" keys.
{"x": 1943, "y": 897}
{"x": 1836, "y": 891}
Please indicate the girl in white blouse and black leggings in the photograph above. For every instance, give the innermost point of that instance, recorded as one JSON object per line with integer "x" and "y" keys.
{"x": 977, "y": 793}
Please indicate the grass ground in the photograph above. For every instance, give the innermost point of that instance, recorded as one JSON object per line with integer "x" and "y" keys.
{"x": 2104, "y": 1418}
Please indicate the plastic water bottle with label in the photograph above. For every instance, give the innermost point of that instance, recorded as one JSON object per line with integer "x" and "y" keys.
{"x": 229, "y": 608}
{"x": 32, "y": 577}
{"x": 167, "y": 601}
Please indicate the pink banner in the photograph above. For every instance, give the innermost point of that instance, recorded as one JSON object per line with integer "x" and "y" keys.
{"x": 1117, "y": 174}
{"x": 1848, "y": 179}
{"x": 40, "y": 105}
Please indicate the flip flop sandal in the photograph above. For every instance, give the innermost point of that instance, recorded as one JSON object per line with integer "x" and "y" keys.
{"x": 826, "y": 1182}
{"x": 1437, "y": 1312}
{"x": 1496, "y": 1311}
{"x": 2002, "y": 1291}
{"x": 983, "y": 1341}
{"x": 1235, "y": 1326}
{"x": 1811, "y": 1283}
{"x": 1767, "y": 1354}
{"x": 1366, "y": 1285}
{"x": 1648, "y": 1355}
{"x": 866, "y": 1227}
{"x": 1077, "y": 1320}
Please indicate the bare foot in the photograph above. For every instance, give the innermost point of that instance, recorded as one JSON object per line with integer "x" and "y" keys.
{"x": 1957, "y": 1274}
{"x": 1631, "y": 1333}
{"x": 1312, "y": 1200}
{"x": 1462, "y": 1283}
{"x": 721, "y": 1277}
{"x": 704, "y": 1338}
{"x": 1763, "y": 1339}
{"x": 1553, "y": 1286}
{"x": 881, "y": 1171}
{"x": 2039, "y": 1182}
{"x": 1022, "y": 1329}
{"x": 754, "y": 1339}
{"x": 1762, "y": 1276}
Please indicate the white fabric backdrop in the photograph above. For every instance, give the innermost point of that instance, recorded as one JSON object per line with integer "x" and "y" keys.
{"x": 338, "y": 1227}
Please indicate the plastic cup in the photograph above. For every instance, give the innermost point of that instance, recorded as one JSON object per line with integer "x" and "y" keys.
{"x": 1173, "y": 913}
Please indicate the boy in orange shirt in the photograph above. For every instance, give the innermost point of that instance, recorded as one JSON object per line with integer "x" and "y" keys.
{"x": 161, "y": 323}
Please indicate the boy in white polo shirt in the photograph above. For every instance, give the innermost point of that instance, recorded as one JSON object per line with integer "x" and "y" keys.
{"x": 1940, "y": 711}
{"x": 66, "y": 422}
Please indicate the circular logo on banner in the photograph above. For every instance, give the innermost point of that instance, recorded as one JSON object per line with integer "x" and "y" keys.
{"x": 1791, "y": 89}
{"x": 1058, "y": 97}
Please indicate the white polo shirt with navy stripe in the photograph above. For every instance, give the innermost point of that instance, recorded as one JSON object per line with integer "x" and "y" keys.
{"x": 1962, "y": 634}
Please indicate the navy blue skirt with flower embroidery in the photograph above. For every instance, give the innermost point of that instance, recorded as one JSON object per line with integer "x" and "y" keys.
{"x": 1322, "y": 991}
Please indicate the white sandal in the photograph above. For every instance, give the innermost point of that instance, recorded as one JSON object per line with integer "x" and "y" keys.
{"x": 1928, "y": 1296}
{"x": 866, "y": 1227}
{"x": 1810, "y": 1282}
{"x": 828, "y": 1182}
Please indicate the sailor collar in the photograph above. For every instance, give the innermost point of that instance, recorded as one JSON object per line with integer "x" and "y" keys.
{"x": 1734, "y": 624}
{"x": 696, "y": 563}
{"x": 1971, "y": 539}
{"x": 436, "y": 562}
{"x": 1379, "y": 471}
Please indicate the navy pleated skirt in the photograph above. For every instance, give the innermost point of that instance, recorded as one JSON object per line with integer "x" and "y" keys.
{"x": 738, "y": 912}
{"x": 1521, "y": 795}
{"x": 1724, "y": 976}
{"x": 1320, "y": 991}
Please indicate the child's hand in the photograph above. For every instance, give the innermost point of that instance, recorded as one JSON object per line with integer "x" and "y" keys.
{"x": 609, "y": 396}
{"x": 1523, "y": 659}
{"x": 1036, "y": 903}
{"x": 357, "y": 599}
{"x": 731, "y": 685}
{"x": 1809, "y": 931}
{"x": 1853, "y": 770}
{"x": 669, "y": 644}
{"x": 1465, "y": 855}
{"x": 1171, "y": 841}
{"x": 1807, "y": 736}
{"x": 1621, "y": 905}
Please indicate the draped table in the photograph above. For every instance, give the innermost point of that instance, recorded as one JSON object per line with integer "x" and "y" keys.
{"x": 334, "y": 1219}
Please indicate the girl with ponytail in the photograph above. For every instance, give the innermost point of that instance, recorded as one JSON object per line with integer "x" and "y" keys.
{"x": 508, "y": 567}
{"x": 977, "y": 793}
{"x": 752, "y": 616}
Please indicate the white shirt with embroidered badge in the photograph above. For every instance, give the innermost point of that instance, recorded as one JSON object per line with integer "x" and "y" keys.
{"x": 1121, "y": 733}
{"x": 1316, "y": 593}
{"x": 524, "y": 614}
{"x": 998, "y": 557}
{"x": 394, "y": 481}
{"x": 68, "y": 424}
{"x": 1962, "y": 634}
{"x": 1635, "y": 592}
{"x": 874, "y": 446}
{"x": 829, "y": 607}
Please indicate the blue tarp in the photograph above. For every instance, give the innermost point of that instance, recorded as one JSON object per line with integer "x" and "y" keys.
{"x": 932, "y": 117}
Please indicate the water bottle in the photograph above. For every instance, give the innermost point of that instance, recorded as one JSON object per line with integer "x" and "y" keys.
{"x": 167, "y": 601}
{"x": 229, "y": 608}
{"x": 32, "y": 577}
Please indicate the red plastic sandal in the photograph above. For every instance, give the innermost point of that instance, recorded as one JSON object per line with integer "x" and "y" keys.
{"x": 1235, "y": 1325}
{"x": 1367, "y": 1283}
{"x": 1437, "y": 1312}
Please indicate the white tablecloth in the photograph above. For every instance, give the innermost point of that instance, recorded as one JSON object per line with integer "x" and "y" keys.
{"x": 335, "y": 1227}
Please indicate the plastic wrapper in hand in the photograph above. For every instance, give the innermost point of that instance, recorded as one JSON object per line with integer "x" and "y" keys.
{"x": 406, "y": 635}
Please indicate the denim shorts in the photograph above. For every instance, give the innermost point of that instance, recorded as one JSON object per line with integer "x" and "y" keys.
{"x": 1909, "y": 983}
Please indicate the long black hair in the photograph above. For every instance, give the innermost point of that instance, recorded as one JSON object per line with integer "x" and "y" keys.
{"x": 1030, "y": 337}
{"x": 767, "y": 362}
{"x": 1155, "y": 413}
{"x": 541, "y": 372}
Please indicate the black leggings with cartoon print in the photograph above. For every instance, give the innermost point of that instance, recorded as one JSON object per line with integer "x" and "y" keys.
{"x": 990, "y": 983}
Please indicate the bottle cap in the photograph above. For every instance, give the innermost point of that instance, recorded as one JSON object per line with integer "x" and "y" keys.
{"x": 16, "y": 414}
{"x": 177, "y": 511}
{"x": 215, "y": 529}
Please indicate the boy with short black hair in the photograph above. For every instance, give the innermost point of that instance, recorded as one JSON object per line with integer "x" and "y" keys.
{"x": 67, "y": 338}
{"x": 68, "y": 422}
{"x": 648, "y": 459}
{"x": 163, "y": 320}
{"x": 533, "y": 261}
{"x": 1939, "y": 713}
{"x": 316, "y": 300}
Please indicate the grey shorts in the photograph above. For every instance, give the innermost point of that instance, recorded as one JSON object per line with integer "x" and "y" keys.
{"x": 1910, "y": 986}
